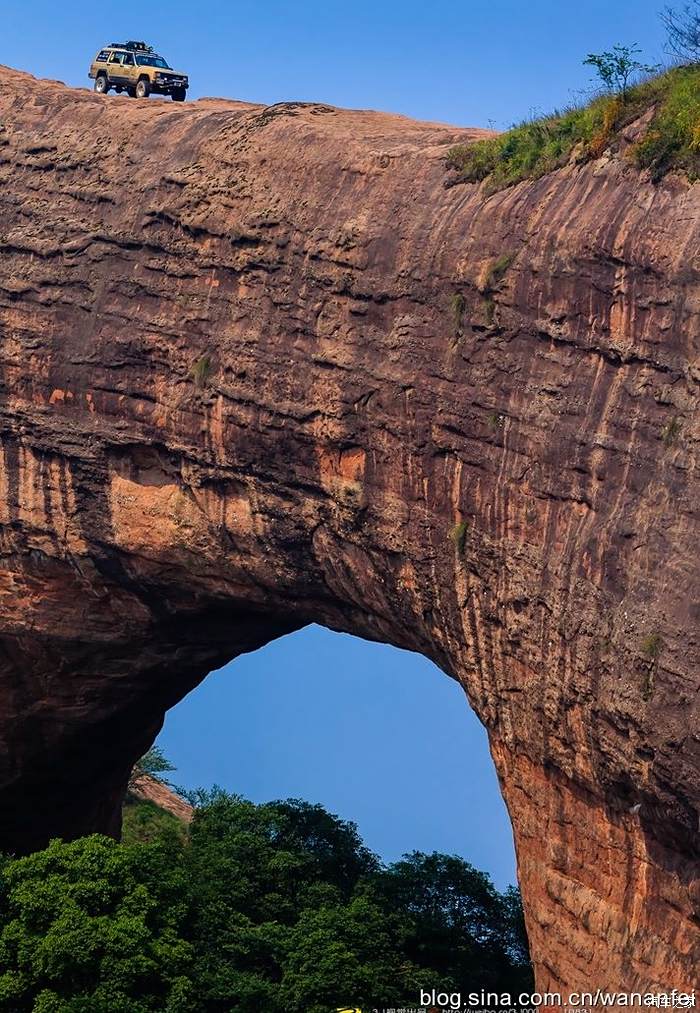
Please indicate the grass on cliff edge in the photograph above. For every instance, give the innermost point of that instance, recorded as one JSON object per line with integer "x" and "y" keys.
{"x": 528, "y": 151}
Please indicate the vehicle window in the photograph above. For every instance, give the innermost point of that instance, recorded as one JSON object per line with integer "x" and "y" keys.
{"x": 152, "y": 61}
{"x": 129, "y": 60}
{"x": 116, "y": 57}
{"x": 102, "y": 57}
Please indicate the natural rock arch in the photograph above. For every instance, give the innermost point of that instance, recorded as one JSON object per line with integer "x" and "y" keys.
{"x": 260, "y": 367}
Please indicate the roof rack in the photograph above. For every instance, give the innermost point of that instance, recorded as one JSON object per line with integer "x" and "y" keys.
{"x": 134, "y": 47}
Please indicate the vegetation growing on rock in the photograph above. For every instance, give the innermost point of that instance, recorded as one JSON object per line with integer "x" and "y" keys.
{"x": 202, "y": 370}
{"x": 144, "y": 821}
{"x": 459, "y": 535}
{"x": 670, "y": 140}
{"x": 152, "y": 764}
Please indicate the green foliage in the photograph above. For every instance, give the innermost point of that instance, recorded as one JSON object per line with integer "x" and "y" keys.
{"x": 202, "y": 370}
{"x": 456, "y": 924}
{"x": 534, "y": 148}
{"x": 497, "y": 270}
{"x": 345, "y": 954}
{"x": 490, "y": 310}
{"x": 652, "y": 645}
{"x": 94, "y": 926}
{"x": 458, "y": 305}
{"x": 152, "y": 764}
{"x": 617, "y": 67}
{"x": 278, "y": 848}
{"x": 671, "y": 431}
{"x": 515, "y": 933}
{"x": 459, "y": 536}
{"x": 673, "y": 138}
{"x": 491, "y": 278}
{"x": 256, "y": 871}
{"x": 144, "y": 821}
{"x": 277, "y": 907}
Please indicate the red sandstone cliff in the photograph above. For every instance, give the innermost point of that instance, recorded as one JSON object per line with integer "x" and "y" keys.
{"x": 239, "y": 395}
{"x": 150, "y": 789}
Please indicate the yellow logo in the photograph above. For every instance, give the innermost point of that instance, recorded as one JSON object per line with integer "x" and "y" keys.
{"x": 349, "y": 1009}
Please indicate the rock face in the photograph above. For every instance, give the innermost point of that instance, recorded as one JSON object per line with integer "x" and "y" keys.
{"x": 150, "y": 789}
{"x": 260, "y": 367}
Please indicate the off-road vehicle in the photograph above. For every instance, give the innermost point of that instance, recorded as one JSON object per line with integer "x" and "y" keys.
{"x": 135, "y": 68}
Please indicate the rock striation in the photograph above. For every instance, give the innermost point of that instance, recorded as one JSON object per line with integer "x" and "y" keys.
{"x": 261, "y": 367}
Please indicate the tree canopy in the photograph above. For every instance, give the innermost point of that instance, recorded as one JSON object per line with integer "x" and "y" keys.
{"x": 154, "y": 764}
{"x": 277, "y": 907}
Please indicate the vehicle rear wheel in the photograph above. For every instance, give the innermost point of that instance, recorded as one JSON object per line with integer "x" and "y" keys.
{"x": 179, "y": 95}
{"x": 131, "y": 92}
{"x": 101, "y": 84}
{"x": 142, "y": 88}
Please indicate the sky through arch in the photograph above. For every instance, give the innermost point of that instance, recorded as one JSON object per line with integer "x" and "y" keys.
{"x": 378, "y": 735}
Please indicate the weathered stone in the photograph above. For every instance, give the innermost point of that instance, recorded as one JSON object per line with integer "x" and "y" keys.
{"x": 149, "y": 789}
{"x": 258, "y": 369}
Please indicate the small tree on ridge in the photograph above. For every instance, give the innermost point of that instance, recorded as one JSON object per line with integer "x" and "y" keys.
{"x": 152, "y": 764}
{"x": 618, "y": 67}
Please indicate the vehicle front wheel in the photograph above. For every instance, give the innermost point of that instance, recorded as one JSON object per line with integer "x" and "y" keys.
{"x": 179, "y": 95}
{"x": 101, "y": 85}
{"x": 142, "y": 88}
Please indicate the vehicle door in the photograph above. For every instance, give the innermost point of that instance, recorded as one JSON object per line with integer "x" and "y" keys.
{"x": 115, "y": 70}
{"x": 129, "y": 70}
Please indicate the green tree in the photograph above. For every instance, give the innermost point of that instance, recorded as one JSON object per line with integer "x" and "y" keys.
{"x": 275, "y": 851}
{"x": 342, "y": 954}
{"x": 514, "y": 931}
{"x": 278, "y": 907}
{"x": 456, "y": 923}
{"x": 95, "y": 927}
{"x": 618, "y": 67}
{"x": 254, "y": 870}
{"x": 144, "y": 821}
{"x": 152, "y": 764}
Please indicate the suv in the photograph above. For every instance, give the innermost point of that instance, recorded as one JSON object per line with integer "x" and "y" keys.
{"x": 134, "y": 67}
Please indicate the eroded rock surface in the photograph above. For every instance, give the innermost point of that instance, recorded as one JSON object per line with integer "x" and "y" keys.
{"x": 150, "y": 789}
{"x": 260, "y": 367}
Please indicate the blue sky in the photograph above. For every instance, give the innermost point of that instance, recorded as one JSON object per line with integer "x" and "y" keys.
{"x": 466, "y": 62}
{"x": 377, "y": 735}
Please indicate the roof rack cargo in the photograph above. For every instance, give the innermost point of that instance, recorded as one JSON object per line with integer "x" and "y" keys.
{"x": 134, "y": 47}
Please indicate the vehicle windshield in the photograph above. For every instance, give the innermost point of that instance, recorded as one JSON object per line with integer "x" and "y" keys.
{"x": 152, "y": 61}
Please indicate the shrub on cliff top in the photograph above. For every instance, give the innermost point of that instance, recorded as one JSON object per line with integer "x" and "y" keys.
{"x": 532, "y": 149}
{"x": 618, "y": 68}
{"x": 152, "y": 764}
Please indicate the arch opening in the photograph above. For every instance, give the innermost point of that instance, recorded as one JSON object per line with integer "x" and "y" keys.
{"x": 373, "y": 733}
